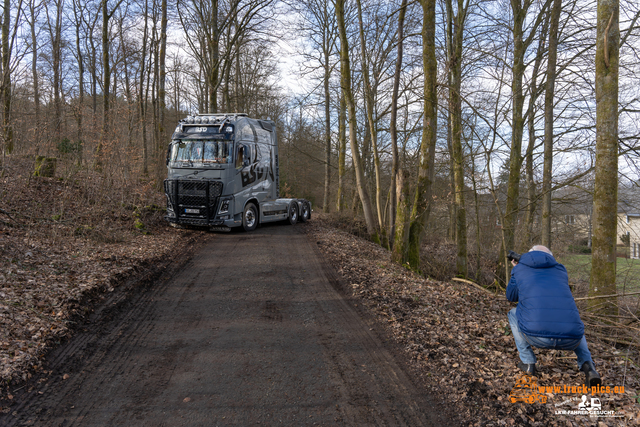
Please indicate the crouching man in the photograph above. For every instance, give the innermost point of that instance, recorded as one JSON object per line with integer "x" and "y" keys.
{"x": 546, "y": 315}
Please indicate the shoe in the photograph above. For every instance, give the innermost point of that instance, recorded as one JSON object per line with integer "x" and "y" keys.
{"x": 529, "y": 369}
{"x": 592, "y": 379}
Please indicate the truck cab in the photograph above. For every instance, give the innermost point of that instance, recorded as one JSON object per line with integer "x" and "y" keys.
{"x": 223, "y": 173}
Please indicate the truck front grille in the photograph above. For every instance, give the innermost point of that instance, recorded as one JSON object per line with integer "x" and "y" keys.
{"x": 193, "y": 201}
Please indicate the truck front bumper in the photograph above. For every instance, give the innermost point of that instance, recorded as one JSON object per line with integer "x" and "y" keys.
{"x": 197, "y": 203}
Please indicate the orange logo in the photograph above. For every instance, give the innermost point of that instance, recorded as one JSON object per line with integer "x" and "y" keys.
{"x": 526, "y": 390}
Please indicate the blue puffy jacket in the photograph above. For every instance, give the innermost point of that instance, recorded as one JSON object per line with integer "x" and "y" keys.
{"x": 540, "y": 286}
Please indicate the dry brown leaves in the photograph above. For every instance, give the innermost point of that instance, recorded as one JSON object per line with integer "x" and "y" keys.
{"x": 59, "y": 249}
{"x": 459, "y": 342}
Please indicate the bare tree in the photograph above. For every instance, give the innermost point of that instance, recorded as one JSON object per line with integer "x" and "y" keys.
{"x": 318, "y": 23}
{"x": 55, "y": 37}
{"x": 342, "y": 151}
{"x": 521, "y": 41}
{"x": 106, "y": 75}
{"x": 456, "y": 25}
{"x": 369, "y": 111}
{"x": 548, "y": 122}
{"x": 162, "y": 73}
{"x": 142, "y": 98}
{"x": 9, "y": 32}
{"x": 393, "y": 129}
{"x": 34, "y": 8}
{"x": 205, "y": 23}
{"x": 422, "y": 201}
{"x": 345, "y": 73}
{"x": 605, "y": 192}
{"x": 79, "y": 9}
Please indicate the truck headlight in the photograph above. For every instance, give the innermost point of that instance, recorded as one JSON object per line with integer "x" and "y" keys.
{"x": 224, "y": 206}
{"x": 170, "y": 211}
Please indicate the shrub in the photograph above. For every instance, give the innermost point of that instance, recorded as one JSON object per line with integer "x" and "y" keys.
{"x": 579, "y": 249}
{"x": 67, "y": 147}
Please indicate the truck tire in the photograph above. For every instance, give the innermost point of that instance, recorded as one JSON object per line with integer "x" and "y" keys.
{"x": 305, "y": 213}
{"x": 250, "y": 217}
{"x": 293, "y": 213}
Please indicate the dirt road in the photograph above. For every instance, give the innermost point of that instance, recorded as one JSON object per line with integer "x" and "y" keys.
{"x": 251, "y": 331}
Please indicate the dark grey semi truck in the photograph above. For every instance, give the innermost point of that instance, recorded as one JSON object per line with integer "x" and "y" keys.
{"x": 223, "y": 173}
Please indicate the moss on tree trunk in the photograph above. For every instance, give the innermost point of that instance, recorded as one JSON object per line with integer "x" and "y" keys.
{"x": 422, "y": 199}
{"x": 605, "y": 194}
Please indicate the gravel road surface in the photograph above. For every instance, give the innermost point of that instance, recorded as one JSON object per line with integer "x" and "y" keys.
{"x": 251, "y": 330}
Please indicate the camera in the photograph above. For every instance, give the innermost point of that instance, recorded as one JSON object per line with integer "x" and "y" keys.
{"x": 513, "y": 256}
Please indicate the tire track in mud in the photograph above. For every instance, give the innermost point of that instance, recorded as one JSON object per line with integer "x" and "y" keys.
{"x": 251, "y": 330}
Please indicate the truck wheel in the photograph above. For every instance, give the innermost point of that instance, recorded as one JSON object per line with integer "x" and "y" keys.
{"x": 250, "y": 217}
{"x": 305, "y": 214}
{"x": 293, "y": 213}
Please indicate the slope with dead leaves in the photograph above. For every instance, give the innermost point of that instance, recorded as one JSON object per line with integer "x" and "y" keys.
{"x": 66, "y": 244}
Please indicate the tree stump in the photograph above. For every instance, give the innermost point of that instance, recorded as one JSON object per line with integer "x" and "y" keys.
{"x": 45, "y": 166}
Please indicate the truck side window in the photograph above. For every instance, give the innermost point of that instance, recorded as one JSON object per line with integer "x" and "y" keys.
{"x": 245, "y": 132}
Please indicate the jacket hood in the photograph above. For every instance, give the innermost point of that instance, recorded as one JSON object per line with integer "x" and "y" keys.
{"x": 538, "y": 259}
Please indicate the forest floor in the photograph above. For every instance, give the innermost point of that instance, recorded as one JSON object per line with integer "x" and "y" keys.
{"x": 63, "y": 250}
{"x": 458, "y": 342}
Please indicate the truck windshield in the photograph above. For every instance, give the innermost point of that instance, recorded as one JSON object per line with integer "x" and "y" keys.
{"x": 200, "y": 152}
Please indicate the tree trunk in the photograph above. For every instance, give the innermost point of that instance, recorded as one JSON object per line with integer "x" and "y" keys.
{"x": 142, "y": 99}
{"x": 342, "y": 151}
{"x": 162, "y": 77}
{"x": 605, "y": 193}
{"x": 56, "y": 48}
{"x": 77, "y": 14}
{"x": 530, "y": 211}
{"x": 548, "y": 123}
{"x": 455, "y": 108}
{"x": 370, "y": 107}
{"x": 106, "y": 88}
{"x": 34, "y": 72}
{"x": 477, "y": 209}
{"x": 426, "y": 173}
{"x": 517, "y": 122}
{"x": 345, "y": 72}
{"x": 215, "y": 59}
{"x": 326, "y": 52}
{"x": 5, "y": 92}
{"x": 401, "y": 236}
{"x": 393, "y": 129}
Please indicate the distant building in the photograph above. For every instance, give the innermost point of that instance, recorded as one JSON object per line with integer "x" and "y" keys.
{"x": 629, "y": 226}
{"x": 573, "y": 212}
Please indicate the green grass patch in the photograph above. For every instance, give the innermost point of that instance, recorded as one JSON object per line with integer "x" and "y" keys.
{"x": 627, "y": 277}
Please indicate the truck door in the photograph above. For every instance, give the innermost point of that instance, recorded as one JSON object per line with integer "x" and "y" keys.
{"x": 248, "y": 169}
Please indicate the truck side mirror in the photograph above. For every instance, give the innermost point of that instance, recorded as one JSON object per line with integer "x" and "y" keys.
{"x": 246, "y": 159}
{"x": 239, "y": 157}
